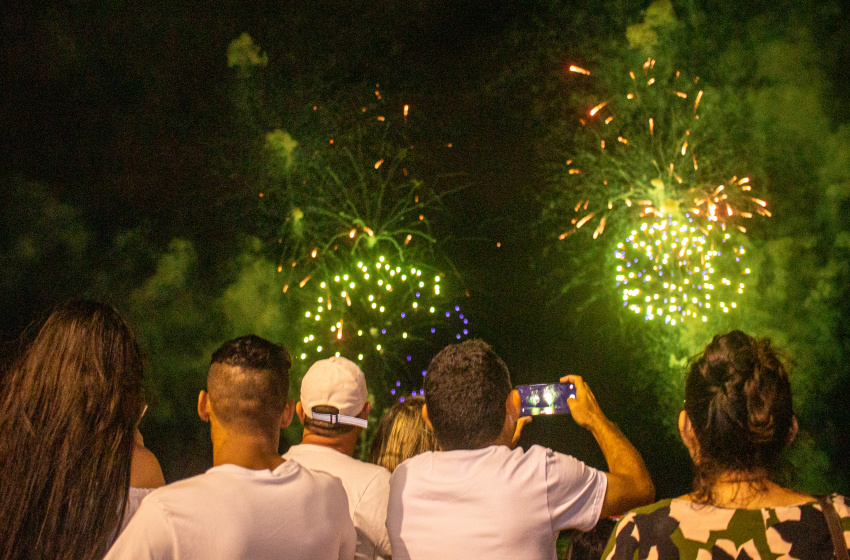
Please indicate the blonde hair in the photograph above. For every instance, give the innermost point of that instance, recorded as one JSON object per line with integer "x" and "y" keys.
{"x": 401, "y": 434}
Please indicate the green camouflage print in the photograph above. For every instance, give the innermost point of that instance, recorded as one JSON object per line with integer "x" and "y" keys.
{"x": 682, "y": 530}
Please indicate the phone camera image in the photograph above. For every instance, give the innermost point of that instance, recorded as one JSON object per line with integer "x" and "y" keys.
{"x": 545, "y": 398}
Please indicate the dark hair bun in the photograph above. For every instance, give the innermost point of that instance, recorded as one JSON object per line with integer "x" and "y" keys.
{"x": 738, "y": 398}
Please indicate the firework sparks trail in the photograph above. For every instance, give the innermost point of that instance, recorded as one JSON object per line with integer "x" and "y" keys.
{"x": 379, "y": 308}
{"x": 354, "y": 245}
{"x": 682, "y": 259}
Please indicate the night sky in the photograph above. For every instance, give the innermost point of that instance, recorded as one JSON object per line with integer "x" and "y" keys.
{"x": 122, "y": 113}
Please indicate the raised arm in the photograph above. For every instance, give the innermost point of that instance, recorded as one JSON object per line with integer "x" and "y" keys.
{"x": 629, "y": 485}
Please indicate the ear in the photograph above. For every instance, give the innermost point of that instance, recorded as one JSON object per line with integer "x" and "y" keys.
{"x": 686, "y": 431}
{"x": 299, "y": 411}
{"x": 428, "y": 421}
{"x": 509, "y": 427}
{"x": 288, "y": 410}
{"x": 425, "y": 416}
{"x": 204, "y": 407}
{"x": 795, "y": 427}
{"x": 365, "y": 412}
{"x": 512, "y": 406}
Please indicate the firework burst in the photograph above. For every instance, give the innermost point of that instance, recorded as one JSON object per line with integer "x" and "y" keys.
{"x": 381, "y": 311}
{"x": 645, "y": 161}
{"x": 668, "y": 271}
{"x": 353, "y": 245}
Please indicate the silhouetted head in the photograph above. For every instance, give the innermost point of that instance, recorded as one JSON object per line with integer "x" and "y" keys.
{"x": 591, "y": 544}
{"x": 738, "y": 401}
{"x": 466, "y": 389}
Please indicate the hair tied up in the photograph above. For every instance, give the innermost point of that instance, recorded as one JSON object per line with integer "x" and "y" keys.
{"x": 738, "y": 398}
{"x": 716, "y": 373}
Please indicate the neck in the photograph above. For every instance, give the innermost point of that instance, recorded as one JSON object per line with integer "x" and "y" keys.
{"x": 752, "y": 490}
{"x": 759, "y": 477}
{"x": 344, "y": 443}
{"x": 249, "y": 450}
{"x": 508, "y": 435}
{"x": 503, "y": 439}
{"x": 742, "y": 493}
{"x": 741, "y": 489}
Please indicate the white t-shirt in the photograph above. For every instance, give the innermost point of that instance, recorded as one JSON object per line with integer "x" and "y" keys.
{"x": 490, "y": 503}
{"x": 234, "y": 513}
{"x": 134, "y": 500}
{"x": 368, "y": 489}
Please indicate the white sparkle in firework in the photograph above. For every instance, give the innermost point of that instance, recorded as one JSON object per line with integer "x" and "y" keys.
{"x": 639, "y": 163}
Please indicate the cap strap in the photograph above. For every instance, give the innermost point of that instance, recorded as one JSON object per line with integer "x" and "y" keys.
{"x": 341, "y": 419}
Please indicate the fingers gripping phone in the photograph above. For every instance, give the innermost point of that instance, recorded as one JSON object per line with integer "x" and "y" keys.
{"x": 545, "y": 398}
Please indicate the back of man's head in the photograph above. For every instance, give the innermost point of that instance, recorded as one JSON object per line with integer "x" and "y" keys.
{"x": 333, "y": 395}
{"x": 248, "y": 383}
{"x": 466, "y": 388}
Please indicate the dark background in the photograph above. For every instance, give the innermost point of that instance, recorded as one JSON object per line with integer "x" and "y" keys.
{"x": 127, "y": 149}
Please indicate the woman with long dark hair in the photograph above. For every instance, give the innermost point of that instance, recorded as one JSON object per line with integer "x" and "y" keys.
{"x": 736, "y": 422}
{"x": 69, "y": 409}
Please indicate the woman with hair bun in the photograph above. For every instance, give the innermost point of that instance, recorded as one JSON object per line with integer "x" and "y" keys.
{"x": 736, "y": 422}
{"x": 69, "y": 443}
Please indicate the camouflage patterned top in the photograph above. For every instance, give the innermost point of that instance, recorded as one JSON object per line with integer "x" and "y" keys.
{"x": 679, "y": 529}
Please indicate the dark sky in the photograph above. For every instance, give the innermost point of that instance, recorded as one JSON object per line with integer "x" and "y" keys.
{"x": 119, "y": 96}
{"x": 116, "y": 105}
{"x": 124, "y": 111}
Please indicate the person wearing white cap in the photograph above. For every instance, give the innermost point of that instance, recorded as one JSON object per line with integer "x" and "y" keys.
{"x": 334, "y": 410}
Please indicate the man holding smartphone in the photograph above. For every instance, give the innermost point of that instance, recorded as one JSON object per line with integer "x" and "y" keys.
{"x": 480, "y": 497}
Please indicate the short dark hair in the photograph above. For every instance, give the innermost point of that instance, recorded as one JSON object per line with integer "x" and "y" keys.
{"x": 248, "y": 382}
{"x": 738, "y": 398}
{"x": 466, "y": 387}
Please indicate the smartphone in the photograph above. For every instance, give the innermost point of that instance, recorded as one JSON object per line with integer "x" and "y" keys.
{"x": 545, "y": 398}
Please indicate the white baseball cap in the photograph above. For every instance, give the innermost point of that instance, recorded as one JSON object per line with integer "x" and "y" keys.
{"x": 336, "y": 382}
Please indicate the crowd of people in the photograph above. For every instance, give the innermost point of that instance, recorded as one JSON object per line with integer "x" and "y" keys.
{"x": 446, "y": 478}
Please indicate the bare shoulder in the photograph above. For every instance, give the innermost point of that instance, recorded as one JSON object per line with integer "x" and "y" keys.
{"x": 145, "y": 471}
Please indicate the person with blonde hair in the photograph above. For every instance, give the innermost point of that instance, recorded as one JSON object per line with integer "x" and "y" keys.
{"x": 401, "y": 434}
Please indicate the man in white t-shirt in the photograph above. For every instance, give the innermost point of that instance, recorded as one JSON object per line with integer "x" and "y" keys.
{"x": 334, "y": 410}
{"x": 478, "y": 497}
{"x": 252, "y": 505}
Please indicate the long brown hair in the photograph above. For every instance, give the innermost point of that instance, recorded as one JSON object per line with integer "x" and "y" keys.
{"x": 67, "y": 413}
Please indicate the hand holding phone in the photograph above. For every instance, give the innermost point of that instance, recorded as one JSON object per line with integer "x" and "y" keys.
{"x": 545, "y": 398}
{"x": 585, "y": 410}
